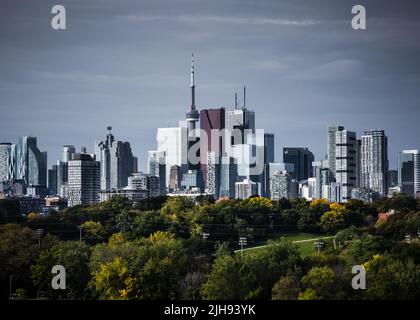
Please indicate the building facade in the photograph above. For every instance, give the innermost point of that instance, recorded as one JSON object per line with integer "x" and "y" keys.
{"x": 245, "y": 189}
{"x": 156, "y": 167}
{"x": 409, "y": 171}
{"x": 117, "y": 162}
{"x": 302, "y": 160}
{"x": 374, "y": 162}
{"x": 83, "y": 180}
{"x": 346, "y": 162}
{"x": 31, "y": 163}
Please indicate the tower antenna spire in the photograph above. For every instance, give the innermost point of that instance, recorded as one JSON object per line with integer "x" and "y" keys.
{"x": 192, "y": 83}
{"x": 236, "y": 100}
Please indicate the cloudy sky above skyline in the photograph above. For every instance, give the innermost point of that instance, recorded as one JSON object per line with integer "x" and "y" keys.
{"x": 127, "y": 64}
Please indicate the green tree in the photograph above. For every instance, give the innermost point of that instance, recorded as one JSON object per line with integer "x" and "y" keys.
{"x": 160, "y": 266}
{"x": 74, "y": 257}
{"x": 94, "y": 230}
{"x": 391, "y": 279}
{"x": 286, "y": 288}
{"x": 18, "y": 251}
{"x": 334, "y": 219}
{"x": 318, "y": 284}
{"x": 113, "y": 280}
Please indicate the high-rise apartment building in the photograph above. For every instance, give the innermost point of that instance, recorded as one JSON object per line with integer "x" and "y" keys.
{"x": 83, "y": 180}
{"x": 117, "y": 162}
{"x": 374, "y": 162}
{"x": 283, "y": 185}
{"x": 331, "y": 147}
{"x": 346, "y": 162}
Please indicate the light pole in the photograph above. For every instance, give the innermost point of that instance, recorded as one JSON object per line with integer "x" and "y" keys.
{"x": 408, "y": 237}
{"x": 318, "y": 245}
{"x": 242, "y": 242}
{"x": 39, "y": 232}
{"x": 10, "y": 286}
{"x": 206, "y": 235}
{"x": 80, "y": 232}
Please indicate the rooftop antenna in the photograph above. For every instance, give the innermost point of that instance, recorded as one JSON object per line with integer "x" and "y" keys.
{"x": 236, "y": 100}
{"x": 244, "y": 97}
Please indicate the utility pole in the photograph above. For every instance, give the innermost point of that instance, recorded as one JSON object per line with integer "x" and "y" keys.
{"x": 39, "y": 232}
{"x": 242, "y": 242}
{"x": 80, "y": 232}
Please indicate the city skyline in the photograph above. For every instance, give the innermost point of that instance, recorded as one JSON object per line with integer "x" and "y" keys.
{"x": 117, "y": 73}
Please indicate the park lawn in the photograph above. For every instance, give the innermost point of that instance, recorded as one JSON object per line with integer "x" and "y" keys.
{"x": 295, "y": 236}
{"x": 306, "y": 248}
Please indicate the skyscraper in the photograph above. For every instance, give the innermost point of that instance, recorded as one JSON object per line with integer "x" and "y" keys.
{"x": 52, "y": 181}
{"x": 117, "y": 162}
{"x": 345, "y": 162}
{"x": 212, "y": 124}
{"x": 228, "y": 176}
{"x": 409, "y": 171}
{"x": 31, "y": 163}
{"x": 268, "y": 147}
{"x": 240, "y": 123}
{"x": 173, "y": 142}
{"x": 374, "y": 162}
{"x": 302, "y": 160}
{"x": 322, "y": 177}
{"x": 7, "y": 161}
{"x": 156, "y": 167}
{"x": 175, "y": 177}
{"x": 331, "y": 147}
{"x": 68, "y": 152}
{"x": 83, "y": 180}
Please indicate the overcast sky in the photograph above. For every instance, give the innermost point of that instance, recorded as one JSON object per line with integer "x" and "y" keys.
{"x": 127, "y": 63}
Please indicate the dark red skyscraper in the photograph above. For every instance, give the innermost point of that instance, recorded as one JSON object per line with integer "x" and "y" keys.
{"x": 210, "y": 119}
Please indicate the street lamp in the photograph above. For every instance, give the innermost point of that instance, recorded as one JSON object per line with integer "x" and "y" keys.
{"x": 10, "y": 286}
{"x": 206, "y": 235}
{"x": 39, "y": 232}
{"x": 242, "y": 242}
{"x": 80, "y": 232}
{"x": 408, "y": 237}
{"x": 319, "y": 244}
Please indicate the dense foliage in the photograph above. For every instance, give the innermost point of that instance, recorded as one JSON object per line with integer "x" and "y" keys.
{"x": 174, "y": 248}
